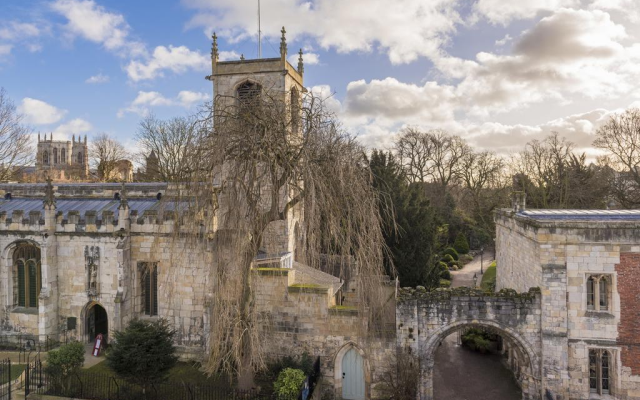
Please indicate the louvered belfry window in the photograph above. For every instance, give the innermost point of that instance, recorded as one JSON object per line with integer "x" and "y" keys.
{"x": 26, "y": 259}
{"x": 150, "y": 288}
{"x": 249, "y": 96}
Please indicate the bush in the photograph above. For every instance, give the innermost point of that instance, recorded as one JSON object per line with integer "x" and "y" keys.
{"x": 446, "y": 274}
{"x": 454, "y": 268}
{"x": 143, "y": 352}
{"x": 61, "y": 363}
{"x": 452, "y": 264}
{"x": 461, "y": 245}
{"x": 477, "y": 340}
{"x": 452, "y": 252}
{"x": 304, "y": 362}
{"x": 444, "y": 283}
{"x": 447, "y": 258}
{"x": 465, "y": 259}
{"x": 289, "y": 382}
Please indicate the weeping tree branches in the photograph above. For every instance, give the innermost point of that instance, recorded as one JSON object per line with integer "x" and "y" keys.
{"x": 267, "y": 166}
{"x": 15, "y": 150}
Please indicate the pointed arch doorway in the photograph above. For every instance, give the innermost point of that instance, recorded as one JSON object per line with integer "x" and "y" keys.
{"x": 96, "y": 322}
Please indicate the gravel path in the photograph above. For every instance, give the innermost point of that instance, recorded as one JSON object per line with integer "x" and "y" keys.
{"x": 464, "y": 277}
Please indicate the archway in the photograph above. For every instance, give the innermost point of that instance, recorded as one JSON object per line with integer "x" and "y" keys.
{"x": 522, "y": 361}
{"x": 351, "y": 373}
{"x": 96, "y": 322}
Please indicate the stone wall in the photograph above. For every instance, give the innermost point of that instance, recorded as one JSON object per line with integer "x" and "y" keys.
{"x": 518, "y": 252}
{"x": 305, "y": 318}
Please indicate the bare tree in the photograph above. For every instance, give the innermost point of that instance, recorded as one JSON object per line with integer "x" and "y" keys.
{"x": 257, "y": 163}
{"x": 482, "y": 175}
{"x": 434, "y": 156}
{"x": 15, "y": 150}
{"x": 620, "y": 136}
{"x": 400, "y": 378}
{"x": 106, "y": 154}
{"x": 172, "y": 142}
{"x": 414, "y": 151}
{"x": 448, "y": 152}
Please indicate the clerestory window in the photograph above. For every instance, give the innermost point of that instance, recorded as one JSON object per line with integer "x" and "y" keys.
{"x": 26, "y": 259}
{"x": 599, "y": 371}
{"x": 598, "y": 292}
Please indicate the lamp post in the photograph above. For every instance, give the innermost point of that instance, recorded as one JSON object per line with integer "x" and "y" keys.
{"x": 482, "y": 261}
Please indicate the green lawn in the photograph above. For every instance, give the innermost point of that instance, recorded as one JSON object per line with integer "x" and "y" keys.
{"x": 16, "y": 371}
{"x": 489, "y": 277}
{"x": 182, "y": 372}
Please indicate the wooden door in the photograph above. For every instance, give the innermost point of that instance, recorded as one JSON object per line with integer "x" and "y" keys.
{"x": 352, "y": 376}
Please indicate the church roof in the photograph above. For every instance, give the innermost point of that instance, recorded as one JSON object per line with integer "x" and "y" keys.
{"x": 590, "y": 215}
{"x": 83, "y": 205}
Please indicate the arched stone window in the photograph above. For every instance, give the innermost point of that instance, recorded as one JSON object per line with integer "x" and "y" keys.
{"x": 63, "y": 156}
{"x": 295, "y": 110}
{"x": 80, "y": 158}
{"x": 27, "y": 278}
{"x": 149, "y": 285}
{"x": 598, "y": 291}
{"x": 248, "y": 94}
{"x": 45, "y": 157}
{"x": 55, "y": 156}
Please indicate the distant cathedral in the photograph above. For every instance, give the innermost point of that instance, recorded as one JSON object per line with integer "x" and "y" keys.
{"x": 62, "y": 160}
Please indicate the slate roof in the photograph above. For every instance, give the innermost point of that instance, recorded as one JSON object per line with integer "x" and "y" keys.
{"x": 583, "y": 215}
{"x": 82, "y": 205}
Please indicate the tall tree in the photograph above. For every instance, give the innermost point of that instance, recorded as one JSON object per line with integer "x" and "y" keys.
{"x": 409, "y": 229}
{"x": 620, "y": 136}
{"x": 171, "y": 142}
{"x": 15, "y": 150}
{"x": 106, "y": 154}
{"x": 259, "y": 160}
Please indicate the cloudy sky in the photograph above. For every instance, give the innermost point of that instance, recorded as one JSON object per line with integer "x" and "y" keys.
{"x": 496, "y": 72}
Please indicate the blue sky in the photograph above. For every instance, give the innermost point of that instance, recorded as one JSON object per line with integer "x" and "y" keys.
{"x": 496, "y": 73}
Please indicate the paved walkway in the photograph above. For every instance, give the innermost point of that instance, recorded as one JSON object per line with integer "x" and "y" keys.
{"x": 463, "y": 374}
{"x": 89, "y": 359}
{"x": 464, "y": 277}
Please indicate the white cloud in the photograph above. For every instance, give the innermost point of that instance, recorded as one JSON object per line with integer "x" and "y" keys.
{"x": 39, "y": 112}
{"x": 307, "y": 58}
{"x": 93, "y": 22}
{"x": 391, "y": 99}
{"x": 74, "y": 127}
{"x": 570, "y": 53}
{"x": 142, "y": 104}
{"x": 176, "y": 59}
{"x": 228, "y": 56}
{"x": 405, "y": 29}
{"x": 23, "y": 33}
{"x": 502, "y": 12}
{"x": 627, "y": 8}
{"x": 506, "y": 39}
{"x": 188, "y": 98}
{"x": 100, "y": 78}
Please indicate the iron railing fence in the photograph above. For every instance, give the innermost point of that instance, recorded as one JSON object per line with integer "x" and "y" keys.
{"x": 87, "y": 385}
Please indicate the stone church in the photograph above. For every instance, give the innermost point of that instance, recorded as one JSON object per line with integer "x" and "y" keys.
{"x": 62, "y": 160}
{"x": 82, "y": 259}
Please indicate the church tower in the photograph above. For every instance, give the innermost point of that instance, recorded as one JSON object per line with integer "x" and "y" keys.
{"x": 242, "y": 80}
{"x": 238, "y": 78}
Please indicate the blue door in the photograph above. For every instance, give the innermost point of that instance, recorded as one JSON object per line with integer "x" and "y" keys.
{"x": 352, "y": 376}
